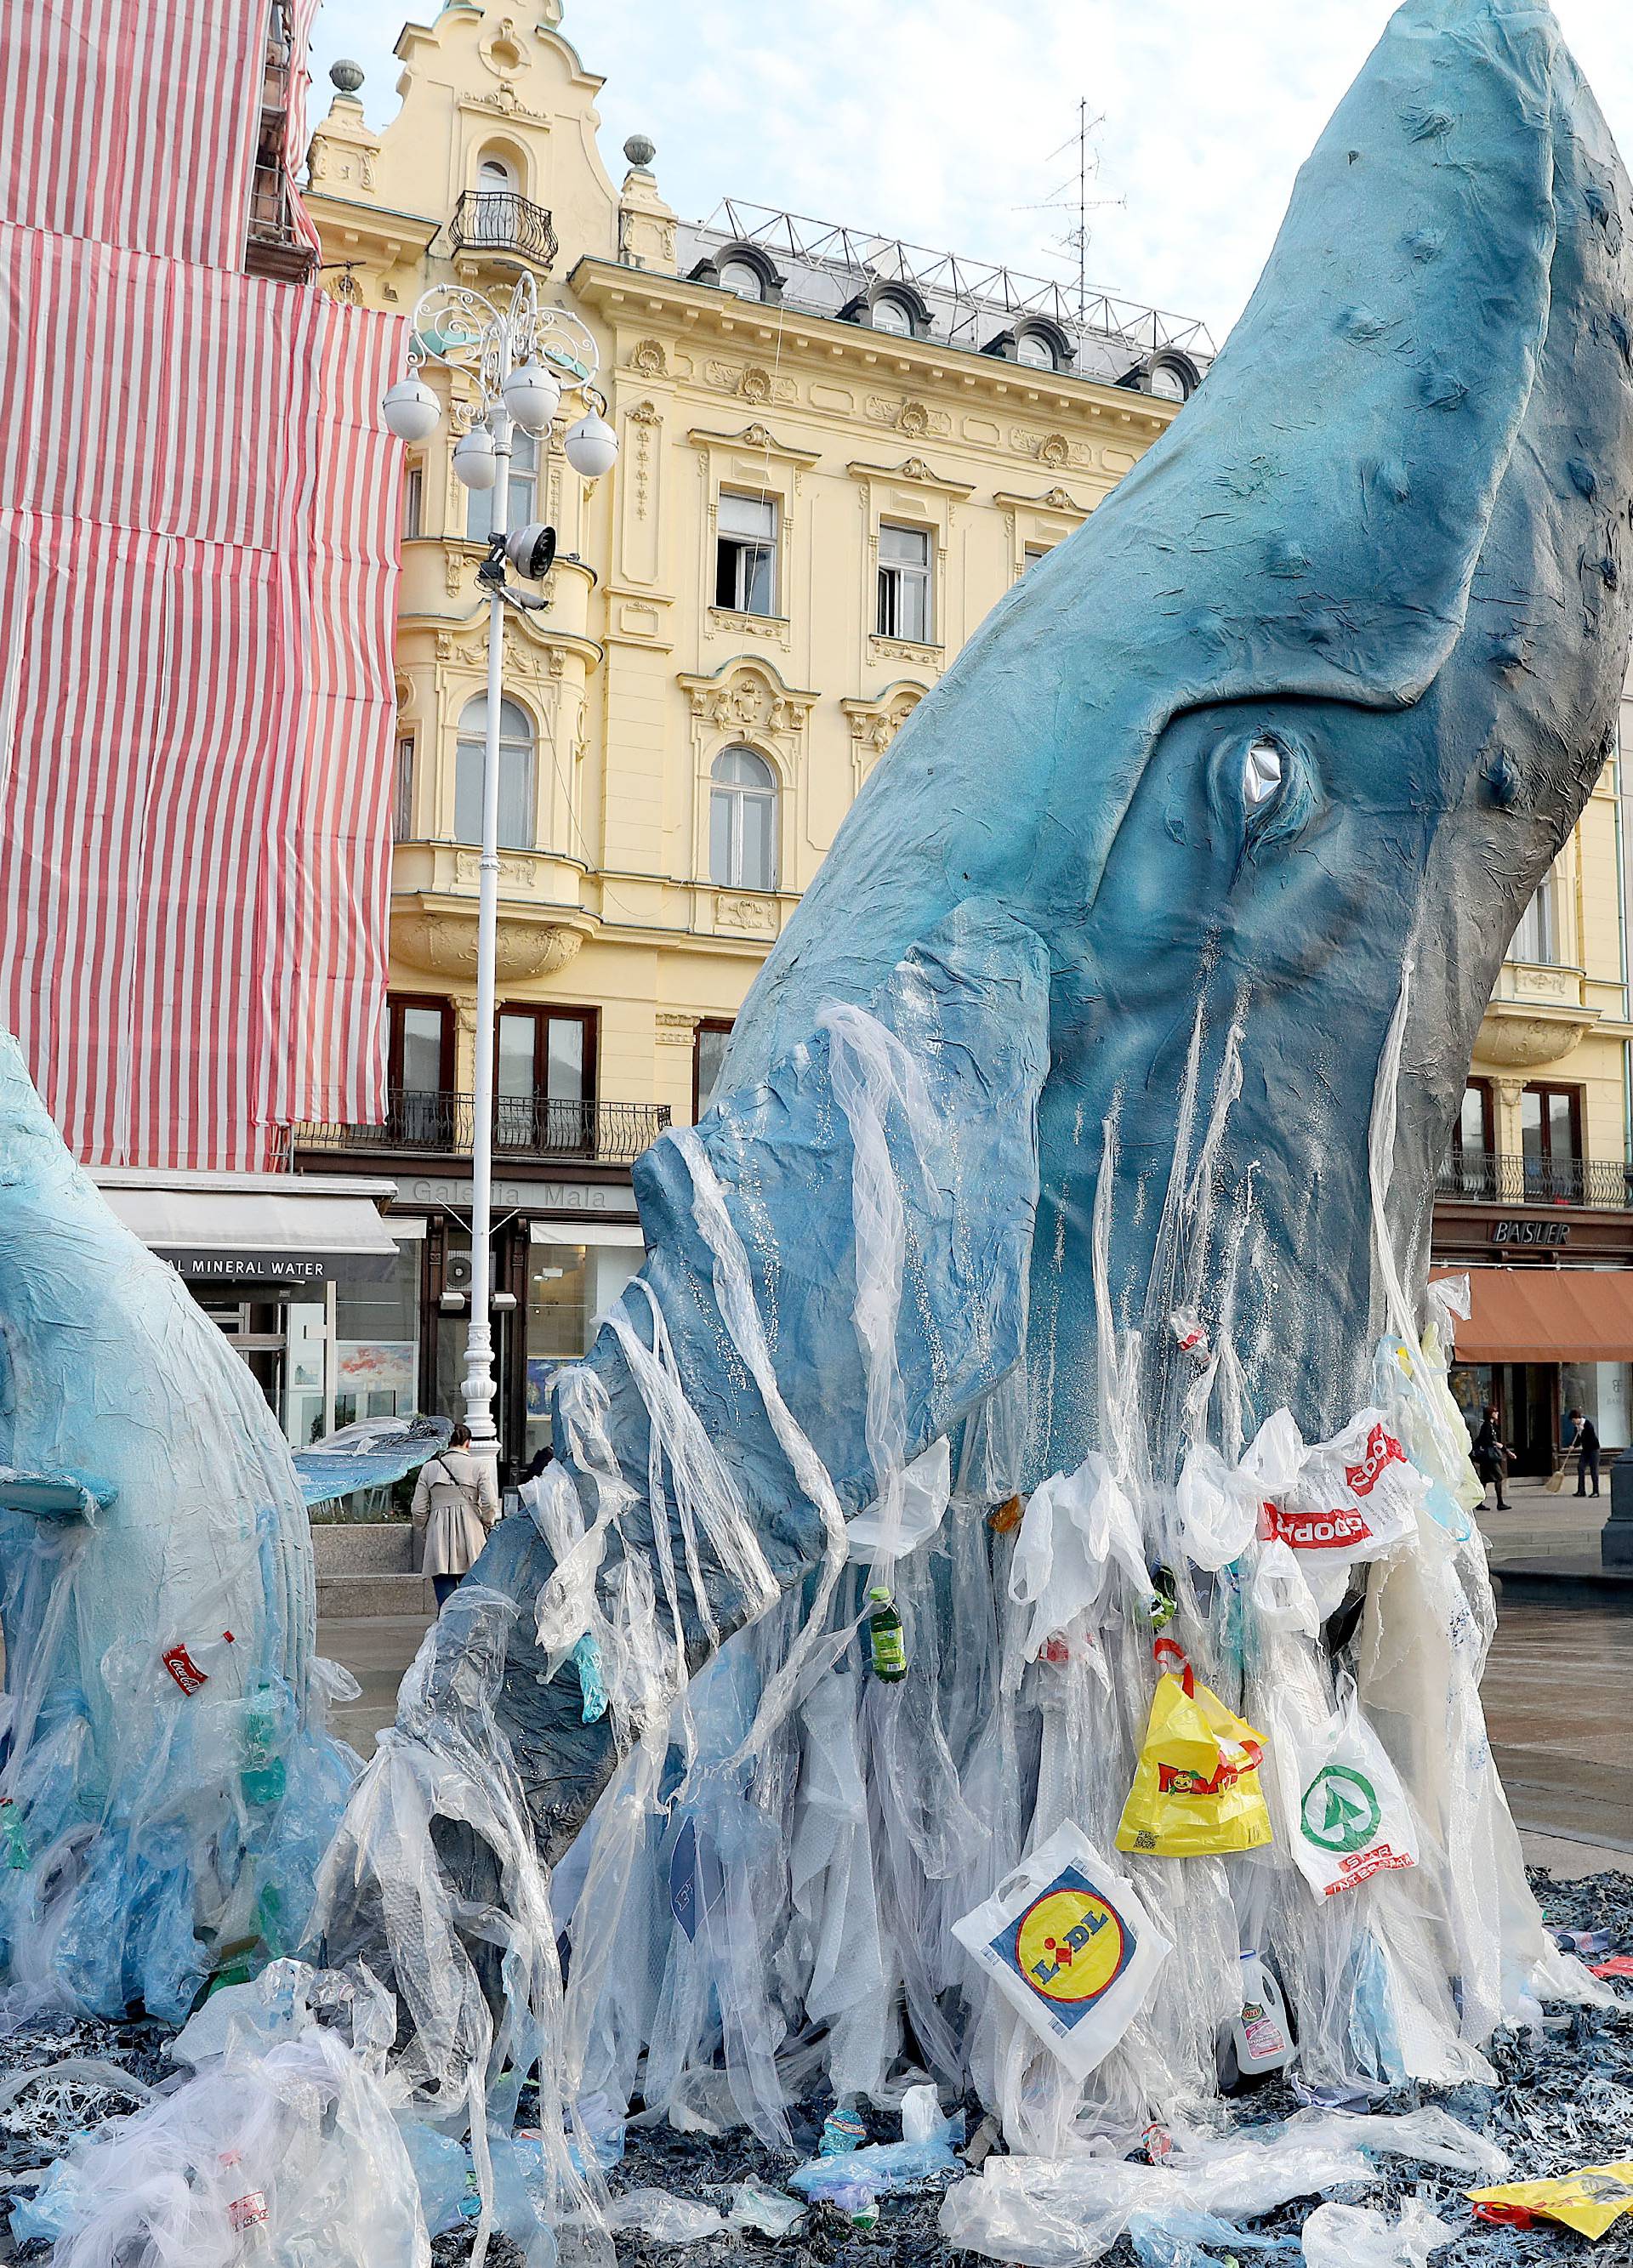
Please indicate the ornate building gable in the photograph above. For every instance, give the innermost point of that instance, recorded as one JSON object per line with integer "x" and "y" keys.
{"x": 874, "y": 724}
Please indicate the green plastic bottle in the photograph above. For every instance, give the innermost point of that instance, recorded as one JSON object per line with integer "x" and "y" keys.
{"x": 265, "y": 1776}
{"x": 15, "y": 1840}
{"x": 884, "y": 1635}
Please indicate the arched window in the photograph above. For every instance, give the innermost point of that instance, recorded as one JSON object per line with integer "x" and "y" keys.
{"x": 743, "y": 277}
{"x": 743, "y": 821}
{"x": 1033, "y": 350}
{"x": 891, "y": 315}
{"x": 516, "y": 768}
{"x": 495, "y": 172}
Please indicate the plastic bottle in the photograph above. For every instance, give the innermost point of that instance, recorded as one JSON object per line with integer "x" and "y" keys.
{"x": 11, "y": 1834}
{"x": 885, "y": 1639}
{"x": 1261, "y": 2036}
{"x": 265, "y": 1776}
{"x": 842, "y": 2132}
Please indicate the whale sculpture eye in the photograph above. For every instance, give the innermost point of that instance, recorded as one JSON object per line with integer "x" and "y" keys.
{"x": 1262, "y": 774}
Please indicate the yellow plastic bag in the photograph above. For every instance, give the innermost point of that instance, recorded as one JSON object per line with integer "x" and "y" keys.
{"x": 1589, "y": 2201}
{"x": 1196, "y": 1786}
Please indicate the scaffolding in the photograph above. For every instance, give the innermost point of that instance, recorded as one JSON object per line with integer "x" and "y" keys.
{"x": 825, "y": 268}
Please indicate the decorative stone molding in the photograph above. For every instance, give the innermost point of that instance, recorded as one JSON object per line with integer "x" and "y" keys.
{"x": 1525, "y": 1039}
{"x": 758, "y": 437}
{"x": 676, "y": 1028}
{"x": 753, "y": 916}
{"x": 748, "y": 696}
{"x": 915, "y": 470}
{"x": 887, "y": 649}
{"x": 874, "y": 724}
{"x": 444, "y": 943}
{"x": 1054, "y": 449}
{"x": 648, "y": 358}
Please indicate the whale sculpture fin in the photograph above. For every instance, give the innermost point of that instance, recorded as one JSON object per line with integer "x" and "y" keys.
{"x": 57, "y": 1495}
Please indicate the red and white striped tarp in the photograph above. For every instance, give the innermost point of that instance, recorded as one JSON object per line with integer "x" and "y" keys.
{"x": 133, "y": 122}
{"x": 198, "y": 541}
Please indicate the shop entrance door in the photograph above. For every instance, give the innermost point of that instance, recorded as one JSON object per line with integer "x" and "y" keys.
{"x": 1527, "y": 1398}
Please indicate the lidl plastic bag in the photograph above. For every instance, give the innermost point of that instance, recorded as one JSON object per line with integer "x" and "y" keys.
{"x": 1347, "y": 1814}
{"x": 1591, "y": 2201}
{"x": 1068, "y": 1942}
{"x": 1196, "y": 1788}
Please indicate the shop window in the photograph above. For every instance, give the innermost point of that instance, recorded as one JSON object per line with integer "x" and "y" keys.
{"x": 1550, "y": 1131}
{"x": 708, "y": 1054}
{"x": 377, "y": 1338}
{"x": 745, "y": 553}
{"x": 1537, "y": 937}
{"x": 516, "y": 775}
{"x": 743, "y": 821}
{"x": 402, "y": 789}
{"x": 544, "y": 1080}
{"x": 522, "y": 497}
{"x": 905, "y": 608}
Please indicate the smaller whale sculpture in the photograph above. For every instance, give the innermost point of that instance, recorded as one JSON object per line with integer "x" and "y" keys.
{"x": 167, "y": 1788}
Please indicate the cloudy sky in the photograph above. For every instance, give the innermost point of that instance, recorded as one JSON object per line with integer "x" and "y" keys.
{"x": 934, "y": 120}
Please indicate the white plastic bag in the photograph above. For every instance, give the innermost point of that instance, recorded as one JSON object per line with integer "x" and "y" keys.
{"x": 1359, "y": 2236}
{"x": 1356, "y": 1497}
{"x": 1076, "y": 1527}
{"x": 926, "y": 1485}
{"x": 1347, "y": 1815}
{"x": 1067, "y": 1941}
{"x": 1220, "y": 1504}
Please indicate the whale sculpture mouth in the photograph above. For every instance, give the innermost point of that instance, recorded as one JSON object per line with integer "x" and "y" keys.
{"x": 1053, "y": 1263}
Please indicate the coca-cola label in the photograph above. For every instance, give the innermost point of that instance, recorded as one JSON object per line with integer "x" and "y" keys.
{"x": 184, "y": 1669}
{"x": 1382, "y": 1450}
{"x": 1319, "y": 1531}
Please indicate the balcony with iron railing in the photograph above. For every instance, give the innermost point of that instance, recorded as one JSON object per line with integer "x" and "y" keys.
{"x": 525, "y": 1128}
{"x": 1486, "y": 1177}
{"x": 499, "y": 220}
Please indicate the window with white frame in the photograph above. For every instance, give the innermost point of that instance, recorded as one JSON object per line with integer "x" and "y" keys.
{"x": 523, "y": 495}
{"x": 743, "y": 821}
{"x": 741, "y": 277}
{"x": 1537, "y": 937}
{"x": 1035, "y": 552}
{"x": 905, "y": 608}
{"x": 890, "y": 314}
{"x": 745, "y": 553}
{"x": 413, "y": 502}
{"x": 516, "y": 775}
{"x": 402, "y": 789}
{"x": 1033, "y": 350}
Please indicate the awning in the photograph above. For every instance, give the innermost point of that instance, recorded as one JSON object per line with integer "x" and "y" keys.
{"x": 585, "y": 1230}
{"x": 1547, "y": 1315}
{"x": 228, "y": 1229}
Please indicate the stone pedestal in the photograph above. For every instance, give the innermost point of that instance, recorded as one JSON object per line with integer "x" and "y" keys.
{"x": 1615, "y": 1544}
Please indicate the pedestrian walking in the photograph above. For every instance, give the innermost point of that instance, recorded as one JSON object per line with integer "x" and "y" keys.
{"x": 455, "y": 1503}
{"x": 1490, "y": 1458}
{"x": 1586, "y": 1437}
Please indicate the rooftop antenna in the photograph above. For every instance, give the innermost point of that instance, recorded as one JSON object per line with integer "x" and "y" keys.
{"x": 1073, "y": 197}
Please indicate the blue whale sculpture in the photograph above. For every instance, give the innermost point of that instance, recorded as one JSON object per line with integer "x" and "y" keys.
{"x": 1253, "y": 774}
{"x": 1139, "y": 988}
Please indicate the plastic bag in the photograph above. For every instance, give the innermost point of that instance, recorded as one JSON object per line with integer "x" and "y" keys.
{"x": 1068, "y": 1942}
{"x": 1356, "y": 1497}
{"x": 926, "y": 1486}
{"x": 1358, "y": 2236}
{"x": 1196, "y": 1785}
{"x": 1220, "y": 1504}
{"x": 885, "y": 2166}
{"x": 1348, "y": 1813}
{"x": 1591, "y": 2201}
{"x": 1076, "y": 1527}
{"x": 664, "y": 2218}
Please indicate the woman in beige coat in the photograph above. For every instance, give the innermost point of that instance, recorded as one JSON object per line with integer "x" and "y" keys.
{"x": 455, "y": 1503}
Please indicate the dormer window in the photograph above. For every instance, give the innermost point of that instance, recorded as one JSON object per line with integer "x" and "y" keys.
{"x": 1032, "y": 349}
{"x": 1166, "y": 383}
{"x": 737, "y": 275}
{"x": 890, "y": 314}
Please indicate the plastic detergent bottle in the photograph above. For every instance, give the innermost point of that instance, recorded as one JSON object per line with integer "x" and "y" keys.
{"x": 885, "y": 1639}
{"x": 264, "y": 1775}
{"x": 1261, "y": 2036}
{"x": 842, "y": 2132}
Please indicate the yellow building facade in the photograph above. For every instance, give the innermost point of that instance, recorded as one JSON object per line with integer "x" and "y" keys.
{"x": 835, "y": 455}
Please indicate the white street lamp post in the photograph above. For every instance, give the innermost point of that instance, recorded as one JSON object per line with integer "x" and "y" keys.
{"x": 523, "y": 358}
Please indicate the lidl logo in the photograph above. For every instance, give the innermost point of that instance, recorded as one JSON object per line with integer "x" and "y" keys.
{"x": 1340, "y": 1811}
{"x": 1069, "y": 1946}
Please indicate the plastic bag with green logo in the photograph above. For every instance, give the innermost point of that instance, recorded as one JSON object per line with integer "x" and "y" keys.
{"x": 1347, "y": 1814}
